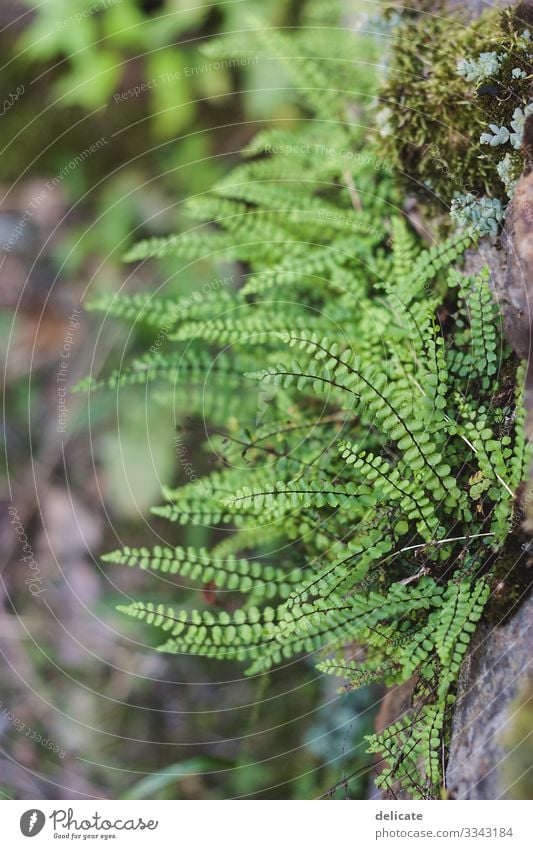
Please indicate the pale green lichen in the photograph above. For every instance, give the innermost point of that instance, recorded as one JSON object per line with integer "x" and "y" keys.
{"x": 525, "y": 40}
{"x": 518, "y": 122}
{"x": 497, "y": 136}
{"x": 501, "y": 135}
{"x": 483, "y": 216}
{"x": 506, "y": 171}
{"x": 477, "y": 70}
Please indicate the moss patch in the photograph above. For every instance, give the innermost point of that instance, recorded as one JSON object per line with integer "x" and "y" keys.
{"x": 433, "y": 117}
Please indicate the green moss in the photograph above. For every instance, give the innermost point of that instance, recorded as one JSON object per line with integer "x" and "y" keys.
{"x": 434, "y": 117}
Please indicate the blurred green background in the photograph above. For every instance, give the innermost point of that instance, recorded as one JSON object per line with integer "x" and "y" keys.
{"x": 112, "y": 115}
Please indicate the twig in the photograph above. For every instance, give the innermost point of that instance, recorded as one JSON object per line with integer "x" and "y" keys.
{"x": 356, "y": 200}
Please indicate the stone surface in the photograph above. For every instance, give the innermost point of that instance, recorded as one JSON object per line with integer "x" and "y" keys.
{"x": 497, "y": 670}
{"x": 516, "y": 293}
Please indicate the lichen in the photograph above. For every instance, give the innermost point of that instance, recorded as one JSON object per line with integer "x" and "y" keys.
{"x": 483, "y": 216}
{"x": 477, "y": 70}
{"x": 507, "y": 173}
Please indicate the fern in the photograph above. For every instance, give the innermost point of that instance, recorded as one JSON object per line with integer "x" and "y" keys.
{"x": 231, "y": 573}
{"x": 356, "y": 431}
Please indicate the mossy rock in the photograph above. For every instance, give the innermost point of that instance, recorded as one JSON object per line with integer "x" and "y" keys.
{"x": 433, "y": 117}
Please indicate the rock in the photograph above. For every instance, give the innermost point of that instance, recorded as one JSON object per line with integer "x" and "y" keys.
{"x": 488, "y": 742}
{"x": 516, "y": 294}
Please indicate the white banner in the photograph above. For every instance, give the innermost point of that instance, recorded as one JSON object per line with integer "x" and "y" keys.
{"x": 264, "y": 824}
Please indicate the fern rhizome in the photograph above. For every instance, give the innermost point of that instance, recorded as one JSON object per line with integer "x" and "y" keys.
{"x": 363, "y": 409}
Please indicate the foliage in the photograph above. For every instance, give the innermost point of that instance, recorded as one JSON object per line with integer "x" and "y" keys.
{"x": 119, "y": 50}
{"x": 370, "y": 443}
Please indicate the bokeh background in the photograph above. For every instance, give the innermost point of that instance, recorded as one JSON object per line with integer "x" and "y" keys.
{"x": 111, "y": 116}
